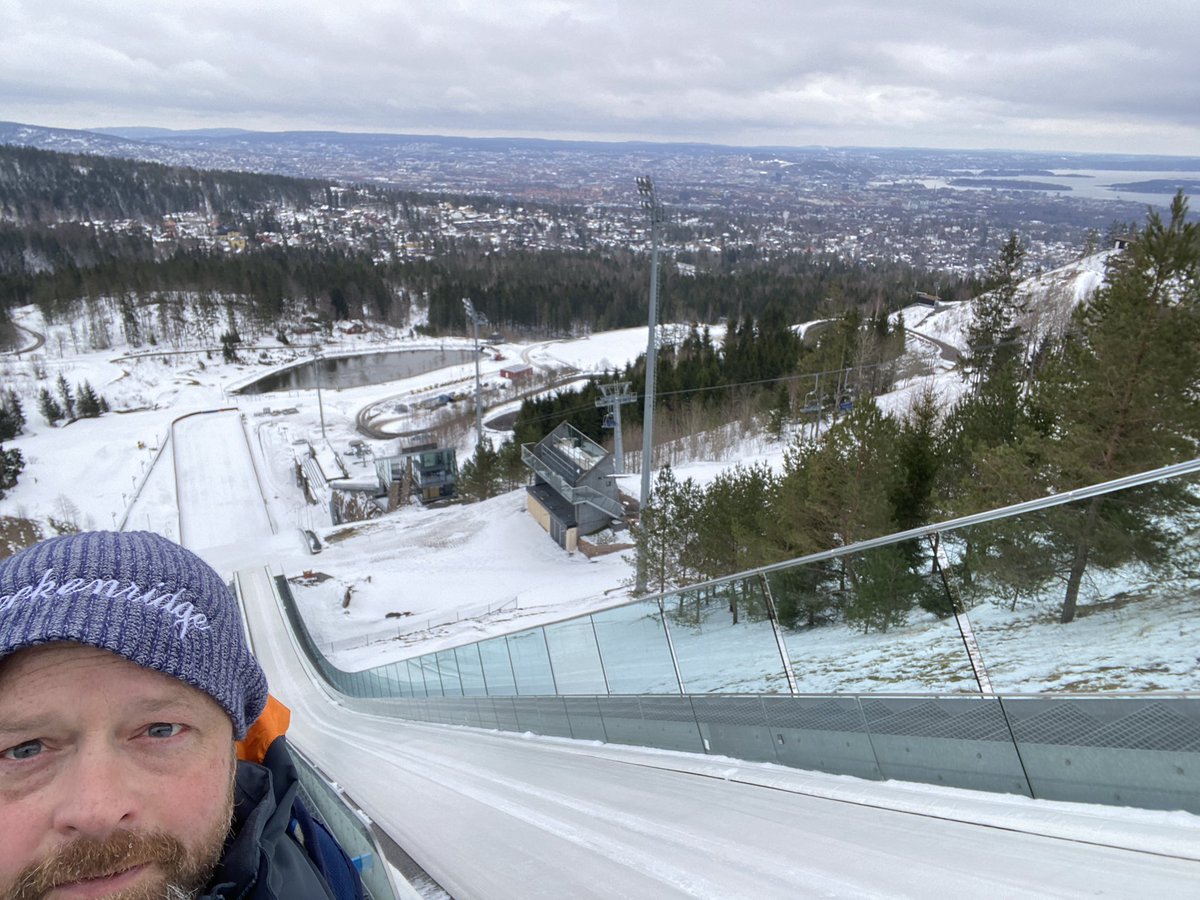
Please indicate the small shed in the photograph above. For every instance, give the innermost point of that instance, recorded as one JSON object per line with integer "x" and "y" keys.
{"x": 517, "y": 373}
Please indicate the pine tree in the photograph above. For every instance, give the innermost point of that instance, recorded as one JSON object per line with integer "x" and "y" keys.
{"x": 882, "y": 588}
{"x": 1125, "y": 397}
{"x": 229, "y": 342}
{"x": 11, "y": 464}
{"x": 49, "y": 407}
{"x": 513, "y": 471}
{"x": 993, "y": 338}
{"x": 657, "y": 537}
{"x": 88, "y": 403}
{"x": 735, "y": 523}
{"x": 129, "y": 321}
{"x": 480, "y": 476}
{"x": 12, "y": 415}
{"x": 8, "y": 425}
{"x": 780, "y": 413}
{"x": 985, "y": 458}
{"x": 838, "y": 491}
{"x": 68, "y": 399}
{"x": 918, "y": 460}
{"x": 733, "y": 528}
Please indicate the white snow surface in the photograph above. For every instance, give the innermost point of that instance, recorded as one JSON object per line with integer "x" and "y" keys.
{"x": 1051, "y": 297}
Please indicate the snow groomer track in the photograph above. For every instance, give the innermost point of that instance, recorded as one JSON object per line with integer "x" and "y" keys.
{"x": 220, "y": 499}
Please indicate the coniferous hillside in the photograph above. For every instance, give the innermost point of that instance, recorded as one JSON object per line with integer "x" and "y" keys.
{"x": 75, "y": 228}
{"x": 44, "y": 186}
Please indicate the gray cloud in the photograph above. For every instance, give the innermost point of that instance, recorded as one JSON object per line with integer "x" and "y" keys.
{"x": 1096, "y": 75}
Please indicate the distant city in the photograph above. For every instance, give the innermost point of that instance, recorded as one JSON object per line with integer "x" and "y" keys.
{"x": 935, "y": 209}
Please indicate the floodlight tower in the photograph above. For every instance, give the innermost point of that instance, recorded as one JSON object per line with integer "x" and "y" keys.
{"x": 476, "y": 319}
{"x": 651, "y": 205}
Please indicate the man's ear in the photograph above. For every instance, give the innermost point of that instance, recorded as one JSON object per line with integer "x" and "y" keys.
{"x": 271, "y": 723}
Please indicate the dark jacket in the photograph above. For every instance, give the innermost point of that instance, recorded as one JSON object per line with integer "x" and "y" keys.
{"x": 263, "y": 860}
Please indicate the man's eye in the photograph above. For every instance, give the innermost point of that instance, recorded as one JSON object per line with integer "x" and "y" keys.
{"x": 27, "y": 750}
{"x": 164, "y": 729}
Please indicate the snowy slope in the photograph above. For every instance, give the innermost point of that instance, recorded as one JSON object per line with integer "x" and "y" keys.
{"x": 1050, "y": 298}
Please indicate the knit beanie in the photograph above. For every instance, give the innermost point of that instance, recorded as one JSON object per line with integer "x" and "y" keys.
{"x": 142, "y": 597}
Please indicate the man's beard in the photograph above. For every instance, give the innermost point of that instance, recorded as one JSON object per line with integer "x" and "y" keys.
{"x": 179, "y": 872}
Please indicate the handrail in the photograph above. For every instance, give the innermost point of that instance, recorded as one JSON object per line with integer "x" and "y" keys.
{"x": 426, "y": 662}
{"x": 351, "y": 832}
{"x": 991, "y": 515}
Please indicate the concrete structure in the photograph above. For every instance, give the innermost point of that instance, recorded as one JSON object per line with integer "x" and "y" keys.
{"x": 574, "y": 492}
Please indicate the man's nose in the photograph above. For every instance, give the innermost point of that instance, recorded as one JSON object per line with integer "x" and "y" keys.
{"x": 96, "y": 795}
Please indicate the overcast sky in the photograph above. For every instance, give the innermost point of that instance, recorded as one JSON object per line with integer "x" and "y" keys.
{"x": 1106, "y": 75}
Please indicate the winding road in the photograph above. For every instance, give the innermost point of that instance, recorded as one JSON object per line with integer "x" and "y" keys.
{"x": 39, "y": 341}
{"x": 949, "y": 352}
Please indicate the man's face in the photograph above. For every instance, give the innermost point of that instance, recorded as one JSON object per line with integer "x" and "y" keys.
{"x": 115, "y": 781}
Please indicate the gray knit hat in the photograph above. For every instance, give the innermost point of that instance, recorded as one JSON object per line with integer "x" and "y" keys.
{"x": 142, "y": 597}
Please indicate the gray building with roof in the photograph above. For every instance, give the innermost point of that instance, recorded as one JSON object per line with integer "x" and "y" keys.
{"x": 574, "y": 492}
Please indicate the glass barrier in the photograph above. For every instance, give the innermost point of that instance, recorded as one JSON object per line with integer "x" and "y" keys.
{"x": 497, "y": 667}
{"x": 869, "y": 622}
{"x": 531, "y": 662}
{"x": 1048, "y": 649}
{"x": 725, "y": 640}
{"x": 575, "y": 657}
{"x": 1097, "y": 595}
{"x": 416, "y": 677}
{"x": 393, "y": 684}
{"x": 349, "y": 830}
{"x": 635, "y": 650}
{"x": 470, "y": 671}
{"x": 447, "y": 664}
{"x": 1098, "y": 592}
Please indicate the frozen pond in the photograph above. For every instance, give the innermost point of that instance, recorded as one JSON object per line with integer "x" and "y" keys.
{"x": 356, "y": 371}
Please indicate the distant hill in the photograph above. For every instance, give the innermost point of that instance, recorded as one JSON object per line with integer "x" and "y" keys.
{"x": 292, "y": 152}
{"x": 46, "y": 186}
{"x": 140, "y": 133}
{"x": 166, "y": 144}
{"x": 70, "y": 140}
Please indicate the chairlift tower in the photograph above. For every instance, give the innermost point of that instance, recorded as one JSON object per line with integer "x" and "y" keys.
{"x": 476, "y": 319}
{"x": 616, "y": 395}
{"x": 652, "y": 206}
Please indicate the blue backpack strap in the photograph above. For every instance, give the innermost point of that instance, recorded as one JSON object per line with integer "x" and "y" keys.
{"x": 327, "y": 855}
